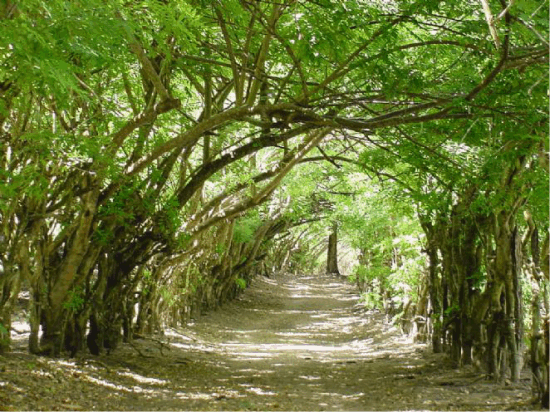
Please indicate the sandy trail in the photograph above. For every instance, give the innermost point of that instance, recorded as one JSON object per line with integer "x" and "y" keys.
{"x": 289, "y": 343}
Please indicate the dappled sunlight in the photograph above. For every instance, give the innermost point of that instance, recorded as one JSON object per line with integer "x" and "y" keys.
{"x": 256, "y": 371}
{"x": 71, "y": 364}
{"x": 355, "y": 396}
{"x": 273, "y": 348}
{"x": 281, "y": 312}
{"x": 198, "y": 396}
{"x": 202, "y": 347}
{"x": 262, "y": 353}
{"x": 299, "y": 287}
{"x": 320, "y": 315}
{"x": 329, "y": 334}
{"x": 299, "y": 334}
{"x": 42, "y": 373}
{"x": 318, "y": 296}
{"x": 173, "y": 333}
{"x": 19, "y": 328}
{"x": 253, "y": 355}
{"x": 310, "y": 378}
{"x": 258, "y": 391}
{"x": 310, "y": 341}
{"x": 143, "y": 379}
{"x": 239, "y": 170}
{"x": 106, "y": 384}
{"x": 299, "y": 331}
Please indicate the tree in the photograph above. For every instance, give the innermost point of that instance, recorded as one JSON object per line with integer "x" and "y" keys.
{"x": 148, "y": 146}
{"x": 332, "y": 251}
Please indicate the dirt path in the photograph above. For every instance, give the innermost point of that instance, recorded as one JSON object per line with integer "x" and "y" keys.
{"x": 287, "y": 344}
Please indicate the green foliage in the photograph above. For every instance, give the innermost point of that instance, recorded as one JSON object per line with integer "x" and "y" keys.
{"x": 418, "y": 124}
{"x": 76, "y": 299}
{"x": 147, "y": 280}
{"x": 171, "y": 219}
{"x": 58, "y": 40}
{"x": 168, "y": 296}
{"x": 246, "y": 226}
{"x": 220, "y": 248}
{"x": 241, "y": 283}
{"x": 103, "y": 236}
{"x": 4, "y": 336}
{"x": 31, "y": 366}
{"x": 372, "y": 300}
{"x": 451, "y": 311}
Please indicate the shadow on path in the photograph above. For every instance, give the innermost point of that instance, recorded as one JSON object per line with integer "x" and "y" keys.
{"x": 289, "y": 343}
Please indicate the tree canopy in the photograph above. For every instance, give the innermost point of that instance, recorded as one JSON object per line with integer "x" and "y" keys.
{"x": 155, "y": 156}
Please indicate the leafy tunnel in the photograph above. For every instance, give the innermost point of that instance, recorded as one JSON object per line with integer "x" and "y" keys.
{"x": 158, "y": 156}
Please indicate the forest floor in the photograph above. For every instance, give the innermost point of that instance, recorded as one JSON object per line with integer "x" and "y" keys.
{"x": 288, "y": 343}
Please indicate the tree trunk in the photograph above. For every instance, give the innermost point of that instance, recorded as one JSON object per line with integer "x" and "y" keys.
{"x": 332, "y": 253}
{"x": 518, "y": 322}
{"x": 55, "y": 313}
{"x": 539, "y": 365}
{"x": 10, "y": 281}
{"x": 435, "y": 315}
{"x": 504, "y": 281}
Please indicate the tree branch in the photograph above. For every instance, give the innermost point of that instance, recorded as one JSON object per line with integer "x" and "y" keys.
{"x": 490, "y": 22}
{"x": 232, "y": 59}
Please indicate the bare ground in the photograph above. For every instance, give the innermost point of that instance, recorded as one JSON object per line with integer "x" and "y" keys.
{"x": 289, "y": 343}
